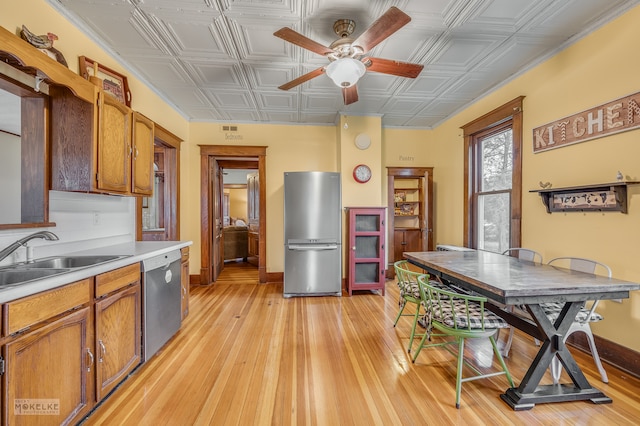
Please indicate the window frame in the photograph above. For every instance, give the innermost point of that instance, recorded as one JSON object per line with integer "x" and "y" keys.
{"x": 507, "y": 115}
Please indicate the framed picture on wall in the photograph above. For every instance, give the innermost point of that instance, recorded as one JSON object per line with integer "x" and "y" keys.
{"x": 113, "y": 83}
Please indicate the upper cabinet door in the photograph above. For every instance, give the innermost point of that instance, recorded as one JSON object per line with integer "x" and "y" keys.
{"x": 114, "y": 145}
{"x": 142, "y": 158}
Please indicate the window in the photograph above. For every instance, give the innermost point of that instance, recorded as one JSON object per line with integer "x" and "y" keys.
{"x": 493, "y": 165}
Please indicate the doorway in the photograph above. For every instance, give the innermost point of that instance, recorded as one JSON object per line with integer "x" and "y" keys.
{"x": 158, "y": 216}
{"x": 240, "y": 218}
{"x": 213, "y": 160}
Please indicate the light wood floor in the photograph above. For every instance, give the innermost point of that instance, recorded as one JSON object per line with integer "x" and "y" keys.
{"x": 245, "y": 356}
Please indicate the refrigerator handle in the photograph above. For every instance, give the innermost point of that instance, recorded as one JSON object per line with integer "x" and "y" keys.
{"x": 313, "y": 248}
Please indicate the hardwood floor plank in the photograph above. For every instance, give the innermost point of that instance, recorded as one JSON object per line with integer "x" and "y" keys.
{"x": 247, "y": 356}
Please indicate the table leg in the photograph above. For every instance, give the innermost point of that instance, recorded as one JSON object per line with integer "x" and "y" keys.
{"x": 529, "y": 393}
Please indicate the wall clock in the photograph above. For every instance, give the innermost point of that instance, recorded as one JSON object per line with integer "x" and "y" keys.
{"x": 362, "y": 173}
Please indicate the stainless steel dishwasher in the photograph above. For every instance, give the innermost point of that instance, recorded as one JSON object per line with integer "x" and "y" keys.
{"x": 162, "y": 301}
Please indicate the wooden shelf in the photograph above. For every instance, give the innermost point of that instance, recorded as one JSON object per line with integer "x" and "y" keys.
{"x": 410, "y": 195}
{"x": 597, "y": 197}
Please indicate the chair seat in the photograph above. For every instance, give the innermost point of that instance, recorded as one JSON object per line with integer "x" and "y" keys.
{"x": 410, "y": 289}
{"x": 474, "y": 321}
{"x": 552, "y": 310}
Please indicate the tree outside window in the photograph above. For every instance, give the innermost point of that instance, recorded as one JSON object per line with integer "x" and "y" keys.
{"x": 493, "y": 165}
{"x": 493, "y": 198}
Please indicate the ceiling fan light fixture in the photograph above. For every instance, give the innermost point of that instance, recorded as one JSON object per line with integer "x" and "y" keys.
{"x": 345, "y": 72}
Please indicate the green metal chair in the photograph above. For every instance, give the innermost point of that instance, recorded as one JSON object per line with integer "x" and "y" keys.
{"x": 409, "y": 293}
{"x": 462, "y": 316}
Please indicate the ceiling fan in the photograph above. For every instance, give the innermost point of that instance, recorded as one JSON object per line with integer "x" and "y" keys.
{"x": 348, "y": 60}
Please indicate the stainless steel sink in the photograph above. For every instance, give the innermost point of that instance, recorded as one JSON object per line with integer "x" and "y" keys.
{"x": 19, "y": 276}
{"x": 67, "y": 262}
{"x": 28, "y": 271}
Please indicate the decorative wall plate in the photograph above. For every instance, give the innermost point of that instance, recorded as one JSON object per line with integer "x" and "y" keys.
{"x": 363, "y": 141}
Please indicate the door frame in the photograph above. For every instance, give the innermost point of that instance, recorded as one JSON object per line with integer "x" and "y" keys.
{"x": 425, "y": 173}
{"x": 229, "y": 153}
{"x": 170, "y": 143}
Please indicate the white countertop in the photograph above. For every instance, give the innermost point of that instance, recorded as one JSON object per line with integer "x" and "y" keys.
{"x": 134, "y": 252}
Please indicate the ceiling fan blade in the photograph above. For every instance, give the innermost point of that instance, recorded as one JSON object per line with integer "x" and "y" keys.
{"x": 305, "y": 77}
{"x": 350, "y": 94}
{"x": 383, "y": 27}
{"x": 388, "y": 66}
{"x": 298, "y": 39}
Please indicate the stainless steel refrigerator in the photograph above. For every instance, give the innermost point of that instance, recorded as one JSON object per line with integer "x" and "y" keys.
{"x": 312, "y": 234}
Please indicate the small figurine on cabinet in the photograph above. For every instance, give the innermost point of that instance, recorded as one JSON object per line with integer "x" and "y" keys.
{"x": 44, "y": 43}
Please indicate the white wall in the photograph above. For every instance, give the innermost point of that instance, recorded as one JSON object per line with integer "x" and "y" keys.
{"x": 83, "y": 221}
{"x": 10, "y": 185}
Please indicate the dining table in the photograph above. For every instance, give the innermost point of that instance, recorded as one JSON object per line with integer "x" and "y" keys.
{"x": 507, "y": 281}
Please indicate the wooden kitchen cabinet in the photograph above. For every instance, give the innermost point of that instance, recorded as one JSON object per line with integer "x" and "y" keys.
{"x": 99, "y": 147}
{"x": 52, "y": 364}
{"x": 77, "y": 342}
{"x": 114, "y": 145}
{"x": 366, "y": 249}
{"x": 142, "y": 175}
{"x": 184, "y": 280}
{"x": 406, "y": 240}
{"x": 47, "y": 355}
{"x": 118, "y": 330}
{"x": 118, "y": 347}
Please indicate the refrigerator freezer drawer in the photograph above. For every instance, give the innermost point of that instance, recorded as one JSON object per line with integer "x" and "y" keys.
{"x": 313, "y": 272}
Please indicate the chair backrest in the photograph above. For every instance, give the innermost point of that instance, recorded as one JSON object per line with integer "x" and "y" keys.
{"x": 404, "y": 272}
{"x": 582, "y": 265}
{"x": 451, "y": 310}
{"x": 524, "y": 254}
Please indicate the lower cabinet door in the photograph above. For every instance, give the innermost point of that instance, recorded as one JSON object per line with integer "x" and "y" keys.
{"x": 118, "y": 342}
{"x": 47, "y": 378}
{"x": 406, "y": 240}
{"x": 413, "y": 240}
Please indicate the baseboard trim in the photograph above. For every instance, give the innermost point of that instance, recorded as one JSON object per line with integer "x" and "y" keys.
{"x": 610, "y": 352}
{"x": 275, "y": 277}
{"x": 194, "y": 280}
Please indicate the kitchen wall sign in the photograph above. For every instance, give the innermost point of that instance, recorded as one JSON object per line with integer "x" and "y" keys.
{"x": 613, "y": 117}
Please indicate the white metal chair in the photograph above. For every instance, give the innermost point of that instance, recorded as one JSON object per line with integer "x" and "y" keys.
{"x": 522, "y": 254}
{"x": 584, "y": 317}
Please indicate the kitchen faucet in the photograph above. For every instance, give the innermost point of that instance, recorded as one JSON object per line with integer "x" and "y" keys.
{"x": 50, "y": 236}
